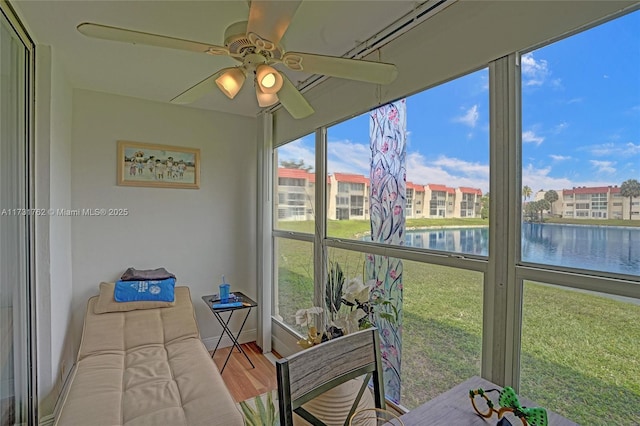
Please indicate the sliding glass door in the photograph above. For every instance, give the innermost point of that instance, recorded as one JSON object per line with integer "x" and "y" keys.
{"x": 15, "y": 324}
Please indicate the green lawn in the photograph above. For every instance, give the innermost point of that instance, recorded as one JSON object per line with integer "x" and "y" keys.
{"x": 579, "y": 351}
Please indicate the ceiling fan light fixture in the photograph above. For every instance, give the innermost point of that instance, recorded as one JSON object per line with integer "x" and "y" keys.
{"x": 269, "y": 79}
{"x": 265, "y": 99}
{"x": 230, "y": 82}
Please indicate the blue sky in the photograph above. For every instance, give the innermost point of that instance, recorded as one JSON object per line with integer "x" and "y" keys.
{"x": 580, "y": 119}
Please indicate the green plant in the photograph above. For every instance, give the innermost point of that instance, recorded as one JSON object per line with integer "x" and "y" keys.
{"x": 333, "y": 291}
{"x": 263, "y": 414}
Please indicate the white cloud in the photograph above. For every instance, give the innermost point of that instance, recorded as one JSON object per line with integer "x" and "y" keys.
{"x": 559, "y": 128}
{"x": 538, "y": 179}
{"x": 575, "y": 101}
{"x": 628, "y": 149}
{"x": 560, "y": 157}
{"x": 296, "y": 151}
{"x": 632, "y": 149}
{"x": 448, "y": 171}
{"x": 534, "y": 72}
{"x": 530, "y": 137}
{"x": 603, "y": 166}
{"x": 470, "y": 118}
{"x": 345, "y": 156}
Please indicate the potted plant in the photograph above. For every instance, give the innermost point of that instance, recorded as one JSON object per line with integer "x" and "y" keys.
{"x": 350, "y": 305}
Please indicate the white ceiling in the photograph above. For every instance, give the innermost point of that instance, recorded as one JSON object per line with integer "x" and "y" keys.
{"x": 159, "y": 74}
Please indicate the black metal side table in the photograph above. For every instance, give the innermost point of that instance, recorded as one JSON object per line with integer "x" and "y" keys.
{"x": 247, "y": 303}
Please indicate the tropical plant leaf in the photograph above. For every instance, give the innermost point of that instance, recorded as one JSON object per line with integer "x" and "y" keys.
{"x": 262, "y": 415}
{"x": 250, "y": 416}
{"x": 262, "y": 411}
{"x": 333, "y": 292}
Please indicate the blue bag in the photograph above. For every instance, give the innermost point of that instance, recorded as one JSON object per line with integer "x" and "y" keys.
{"x": 145, "y": 291}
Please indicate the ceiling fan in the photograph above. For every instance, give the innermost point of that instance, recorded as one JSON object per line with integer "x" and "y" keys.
{"x": 255, "y": 44}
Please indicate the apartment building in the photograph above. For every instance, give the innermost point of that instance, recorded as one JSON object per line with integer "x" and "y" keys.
{"x": 441, "y": 200}
{"x": 601, "y": 202}
{"x": 467, "y": 202}
{"x": 415, "y": 201}
{"x": 296, "y": 194}
{"x": 348, "y": 198}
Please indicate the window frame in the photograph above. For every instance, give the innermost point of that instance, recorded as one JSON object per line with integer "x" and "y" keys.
{"x": 503, "y": 269}
{"x": 30, "y": 345}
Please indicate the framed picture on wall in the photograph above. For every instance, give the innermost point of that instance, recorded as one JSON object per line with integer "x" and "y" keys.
{"x": 145, "y": 164}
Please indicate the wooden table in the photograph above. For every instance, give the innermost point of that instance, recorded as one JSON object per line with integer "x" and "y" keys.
{"x": 454, "y": 408}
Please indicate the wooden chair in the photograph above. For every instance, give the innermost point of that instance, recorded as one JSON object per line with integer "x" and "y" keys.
{"x": 307, "y": 374}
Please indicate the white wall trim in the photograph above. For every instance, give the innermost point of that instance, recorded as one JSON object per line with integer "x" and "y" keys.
{"x": 46, "y": 420}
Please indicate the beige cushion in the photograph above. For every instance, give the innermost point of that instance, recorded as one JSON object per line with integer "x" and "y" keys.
{"x": 146, "y": 368}
{"x": 107, "y": 303}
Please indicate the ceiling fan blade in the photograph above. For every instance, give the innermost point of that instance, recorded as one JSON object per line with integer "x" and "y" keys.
{"x": 293, "y": 101}
{"x": 197, "y": 91}
{"x": 269, "y": 19}
{"x": 137, "y": 37}
{"x": 352, "y": 69}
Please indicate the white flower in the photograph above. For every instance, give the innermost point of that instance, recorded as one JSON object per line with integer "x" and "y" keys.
{"x": 303, "y": 316}
{"x": 350, "y": 322}
{"x": 357, "y": 291}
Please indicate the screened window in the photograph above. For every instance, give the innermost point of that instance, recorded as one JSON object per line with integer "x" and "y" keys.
{"x": 294, "y": 168}
{"x": 573, "y": 156}
{"x": 448, "y": 156}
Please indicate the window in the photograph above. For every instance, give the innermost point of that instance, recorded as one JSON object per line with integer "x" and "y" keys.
{"x": 295, "y": 189}
{"x": 447, "y": 161}
{"x": 293, "y": 280}
{"x": 599, "y": 368}
{"x": 17, "y": 356}
{"x": 435, "y": 299}
{"x": 564, "y": 84}
{"x": 357, "y": 205}
{"x": 573, "y": 158}
{"x": 558, "y": 98}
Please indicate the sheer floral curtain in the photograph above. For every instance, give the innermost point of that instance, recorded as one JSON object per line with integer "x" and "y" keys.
{"x": 387, "y": 135}
{"x": 14, "y": 335}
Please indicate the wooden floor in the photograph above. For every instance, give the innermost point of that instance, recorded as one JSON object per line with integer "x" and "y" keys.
{"x": 243, "y": 381}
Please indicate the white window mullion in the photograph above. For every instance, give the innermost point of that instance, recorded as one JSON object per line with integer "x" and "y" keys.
{"x": 264, "y": 228}
{"x": 502, "y": 294}
{"x": 319, "y": 253}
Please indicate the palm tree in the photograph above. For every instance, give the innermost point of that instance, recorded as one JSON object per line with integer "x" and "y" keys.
{"x": 526, "y": 192}
{"x": 551, "y": 196}
{"x": 630, "y": 188}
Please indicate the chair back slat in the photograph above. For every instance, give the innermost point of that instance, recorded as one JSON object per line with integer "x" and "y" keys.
{"x": 327, "y": 361}
{"x": 309, "y": 373}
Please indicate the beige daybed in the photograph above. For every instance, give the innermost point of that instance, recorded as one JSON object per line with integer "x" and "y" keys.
{"x": 145, "y": 367}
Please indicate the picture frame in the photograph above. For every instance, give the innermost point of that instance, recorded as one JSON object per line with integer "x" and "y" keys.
{"x": 160, "y": 166}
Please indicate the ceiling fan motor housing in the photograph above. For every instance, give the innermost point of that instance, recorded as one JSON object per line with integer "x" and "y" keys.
{"x": 240, "y": 45}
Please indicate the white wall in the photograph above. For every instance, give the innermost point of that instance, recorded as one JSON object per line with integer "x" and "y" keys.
{"x": 198, "y": 234}
{"x": 53, "y": 234}
{"x": 62, "y": 354}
